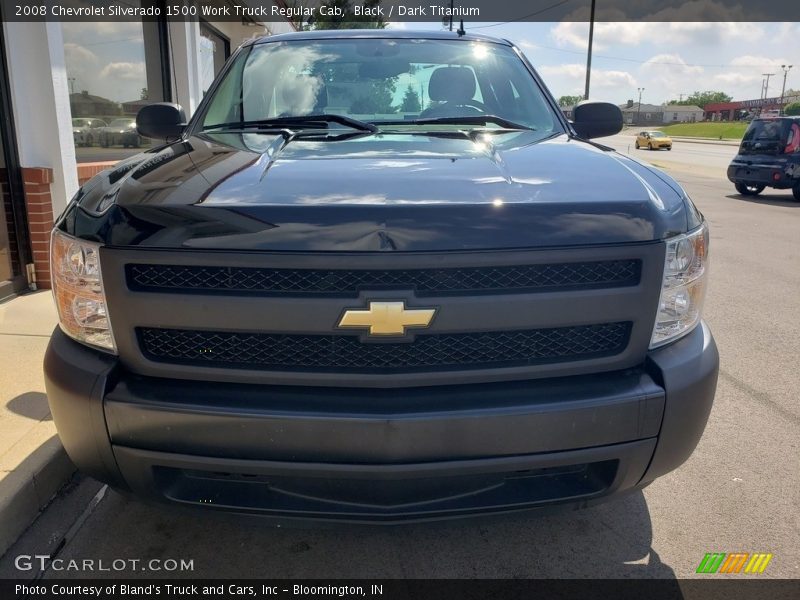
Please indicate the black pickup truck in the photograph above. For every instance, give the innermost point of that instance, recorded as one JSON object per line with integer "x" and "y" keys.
{"x": 379, "y": 277}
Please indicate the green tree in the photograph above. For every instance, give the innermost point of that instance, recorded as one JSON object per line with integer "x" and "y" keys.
{"x": 792, "y": 109}
{"x": 701, "y": 99}
{"x": 411, "y": 101}
{"x": 348, "y": 20}
{"x": 377, "y": 99}
{"x": 569, "y": 100}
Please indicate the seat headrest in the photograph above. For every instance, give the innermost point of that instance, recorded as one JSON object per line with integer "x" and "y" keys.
{"x": 452, "y": 84}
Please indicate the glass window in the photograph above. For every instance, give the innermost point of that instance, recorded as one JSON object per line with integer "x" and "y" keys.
{"x": 113, "y": 69}
{"x": 215, "y": 49}
{"x": 380, "y": 79}
{"x": 7, "y": 252}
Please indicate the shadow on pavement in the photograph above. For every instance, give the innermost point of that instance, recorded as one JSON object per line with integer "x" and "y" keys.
{"x": 32, "y": 405}
{"x": 771, "y": 200}
{"x": 611, "y": 540}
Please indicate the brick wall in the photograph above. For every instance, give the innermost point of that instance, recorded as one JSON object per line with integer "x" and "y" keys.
{"x": 39, "y": 204}
{"x": 36, "y": 182}
{"x": 88, "y": 170}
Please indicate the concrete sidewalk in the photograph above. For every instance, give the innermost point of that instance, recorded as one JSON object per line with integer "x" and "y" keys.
{"x": 33, "y": 464}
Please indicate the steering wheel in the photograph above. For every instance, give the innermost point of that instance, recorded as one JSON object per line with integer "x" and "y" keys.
{"x": 451, "y": 109}
{"x": 476, "y": 105}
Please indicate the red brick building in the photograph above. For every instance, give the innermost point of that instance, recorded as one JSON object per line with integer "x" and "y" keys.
{"x": 737, "y": 110}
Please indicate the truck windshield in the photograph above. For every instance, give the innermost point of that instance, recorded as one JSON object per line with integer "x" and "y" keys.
{"x": 381, "y": 81}
{"x": 766, "y": 136}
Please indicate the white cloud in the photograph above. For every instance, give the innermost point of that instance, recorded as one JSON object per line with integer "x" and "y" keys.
{"x": 124, "y": 71}
{"x": 79, "y": 56}
{"x": 670, "y": 64}
{"x": 570, "y": 78}
{"x": 102, "y": 31}
{"x": 635, "y": 33}
{"x": 759, "y": 62}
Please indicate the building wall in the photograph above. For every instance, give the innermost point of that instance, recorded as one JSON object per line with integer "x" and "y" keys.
{"x": 642, "y": 118}
{"x": 40, "y": 97}
{"x": 42, "y": 115}
{"x": 685, "y": 116}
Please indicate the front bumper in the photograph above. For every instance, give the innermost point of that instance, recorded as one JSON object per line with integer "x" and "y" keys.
{"x": 384, "y": 455}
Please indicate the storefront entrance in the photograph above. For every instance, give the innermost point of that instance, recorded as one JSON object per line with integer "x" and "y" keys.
{"x": 14, "y": 243}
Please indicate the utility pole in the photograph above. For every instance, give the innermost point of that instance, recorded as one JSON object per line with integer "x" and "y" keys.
{"x": 766, "y": 84}
{"x": 786, "y": 69}
{"x": 451, "y": 15}
{"x": 639, "y": 108}
{"x": 589, "y": 53}
{"x": 72, "y": 84}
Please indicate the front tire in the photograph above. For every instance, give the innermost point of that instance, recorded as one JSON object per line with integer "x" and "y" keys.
{"x": 650, "y": 147}
{"x": 746, "y": 189}
{"x": 636, "y": 145}
{"x": 796, "y": 191}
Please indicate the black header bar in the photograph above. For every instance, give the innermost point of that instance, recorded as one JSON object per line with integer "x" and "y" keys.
{"x": 471, "y": 11}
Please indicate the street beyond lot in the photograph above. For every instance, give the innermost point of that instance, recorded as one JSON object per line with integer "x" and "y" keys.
{"x": 740, "y": 491}
{"x": 705, "y": 158}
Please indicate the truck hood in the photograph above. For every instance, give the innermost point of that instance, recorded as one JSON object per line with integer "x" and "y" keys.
{"x": 385, "y": 192}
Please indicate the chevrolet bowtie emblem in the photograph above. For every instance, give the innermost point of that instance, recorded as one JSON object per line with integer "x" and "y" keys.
{"x": 387, "y": 318}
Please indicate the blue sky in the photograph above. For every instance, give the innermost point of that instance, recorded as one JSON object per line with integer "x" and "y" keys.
{"x": 667, "y": 59}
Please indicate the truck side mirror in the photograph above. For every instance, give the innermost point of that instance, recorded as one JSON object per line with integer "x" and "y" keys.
{"x": 162, "y": 120}
{"x": 596, "y": 119}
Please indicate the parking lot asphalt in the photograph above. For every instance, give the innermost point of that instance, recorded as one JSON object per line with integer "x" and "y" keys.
{"x": 739, "y": 492}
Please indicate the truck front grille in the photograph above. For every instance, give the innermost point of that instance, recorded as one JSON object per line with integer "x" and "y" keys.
{"x": 348, "y": 282}
{"x": 347, "y": 354}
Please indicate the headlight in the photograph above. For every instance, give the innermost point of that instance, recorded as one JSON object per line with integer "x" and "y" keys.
{"x": 684, "y": 286}
{"x": 78, "y": 291}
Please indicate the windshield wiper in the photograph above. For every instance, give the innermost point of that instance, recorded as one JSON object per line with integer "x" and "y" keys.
{"x": 304, "y": 121}
{"x": 465, "y": 120}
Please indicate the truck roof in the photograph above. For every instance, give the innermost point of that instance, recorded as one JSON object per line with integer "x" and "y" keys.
{"x": 337, "y": 34}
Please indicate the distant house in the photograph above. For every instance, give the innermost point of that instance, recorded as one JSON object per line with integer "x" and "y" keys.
{"x": 674, "y": 113}
{"x": 87, "y": 105}
{"x": 132, "y": 107}
{"x": 645, "y": 114}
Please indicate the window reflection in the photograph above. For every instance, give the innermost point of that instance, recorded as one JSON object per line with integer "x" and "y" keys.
{"x": 113, "y": 69}
{"x": 214, "y": 51}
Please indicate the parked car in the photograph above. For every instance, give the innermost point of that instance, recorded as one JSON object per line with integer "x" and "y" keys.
{"x": 298, "y": 312}
{"x": 120, "y": 132}
{"x": 653, "y": 140}
{"x": 769, "y": 156}
{"x": 84, "y": 130}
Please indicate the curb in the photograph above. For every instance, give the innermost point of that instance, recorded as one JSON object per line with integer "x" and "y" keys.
{"x": 28, "y": 489}
{"x": 707, "y": 141}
